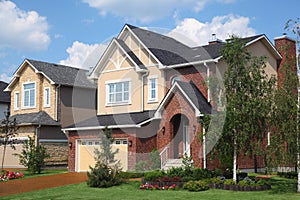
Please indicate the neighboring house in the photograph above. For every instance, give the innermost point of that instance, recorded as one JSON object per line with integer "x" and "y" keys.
{"x": 151, "y": 92}
{"x": 4, "y": 100}
{"x": 45, "y": 97}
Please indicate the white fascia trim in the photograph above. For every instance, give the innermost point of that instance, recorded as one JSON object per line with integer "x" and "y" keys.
{"x": 16, "y": 138}
{"x": 39, "y": 72}
{"x": 269, "y": 43}
{"x": 100, "y": 127}
{"x": 138, "y": 69}
{"x": 157, "y": 114}
{"x": 101, "y": 60}
{"x": 132, "y": 33}
{"x": 193, "y": 63}
{"x": 52, "y": 140}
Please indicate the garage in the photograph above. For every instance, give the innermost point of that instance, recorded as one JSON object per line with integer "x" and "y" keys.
{"x": 10, "y": 160}
{"x": 85, "y": 156}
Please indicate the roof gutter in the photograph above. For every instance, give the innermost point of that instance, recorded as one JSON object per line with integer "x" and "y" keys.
{"x": 101, "y": 127}
{"x": 193, "y": 63}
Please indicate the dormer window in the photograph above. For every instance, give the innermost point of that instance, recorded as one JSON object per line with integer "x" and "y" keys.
{"x": 29, "y": 95}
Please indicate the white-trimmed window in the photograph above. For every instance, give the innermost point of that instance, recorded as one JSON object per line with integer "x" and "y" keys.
{"x": 17, "y": 100}
{"x": 118, "y": 92}
{"x": 46, "y": 97}
{"x": 29, "y": 95}
{"x": 152, "y": 89}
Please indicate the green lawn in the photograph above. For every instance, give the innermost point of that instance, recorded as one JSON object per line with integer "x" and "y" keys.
{"x": 283, "y": 189}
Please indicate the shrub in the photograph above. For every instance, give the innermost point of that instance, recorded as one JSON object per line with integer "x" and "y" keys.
{"x": 103, "y": 176}
{"x": 155, "y": 159}
{"x": 229, "y": 182}
{"x": 127, "y": 175}
{"x": 200, "y": 174}
{"x": 215, "y": 180}
{"x": 154, "y": 175}
{"x": 176, "y": 171}
{"x": 196, "y": 186}
{"x": 33, "y": 156}
{"x": 243, "y": 183}
{"x": 141, "y": 166}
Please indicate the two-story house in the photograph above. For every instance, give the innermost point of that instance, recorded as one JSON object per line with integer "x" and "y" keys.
{"x": 4, "y": 100}
{"x": 152, "y": 90}
{"x": 44, "y": 98}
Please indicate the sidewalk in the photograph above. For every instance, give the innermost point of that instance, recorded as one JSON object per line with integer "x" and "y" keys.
{"x": 41, "y": 182}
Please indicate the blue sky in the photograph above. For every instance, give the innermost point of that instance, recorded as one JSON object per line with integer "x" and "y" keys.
{"x": 67, "y": 32}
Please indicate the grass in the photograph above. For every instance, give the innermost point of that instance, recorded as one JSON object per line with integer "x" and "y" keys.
{"x": 283, "y": 189}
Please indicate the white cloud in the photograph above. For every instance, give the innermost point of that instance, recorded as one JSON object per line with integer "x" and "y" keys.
{"x": 21, "y": 29}
{"x": 193, "y": 32}
{"x": 83, "y": 55}
{"x": 4, "y": 77}
{"x": 145, "y": 11}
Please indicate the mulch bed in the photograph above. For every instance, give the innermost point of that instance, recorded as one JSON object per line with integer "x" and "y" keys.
{"x": 42, "y": 182}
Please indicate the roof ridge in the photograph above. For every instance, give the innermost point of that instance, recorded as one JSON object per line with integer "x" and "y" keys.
{"x": 55, "y": 64}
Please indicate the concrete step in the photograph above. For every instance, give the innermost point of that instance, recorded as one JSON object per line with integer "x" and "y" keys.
{"x": 172, "y": 163}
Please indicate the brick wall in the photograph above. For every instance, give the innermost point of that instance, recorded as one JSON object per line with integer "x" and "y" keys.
{"x": 58, "y": 154}
{"x": 179, "y": 105}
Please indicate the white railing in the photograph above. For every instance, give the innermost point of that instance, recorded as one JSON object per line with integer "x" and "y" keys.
{"x": 164, "y": 156}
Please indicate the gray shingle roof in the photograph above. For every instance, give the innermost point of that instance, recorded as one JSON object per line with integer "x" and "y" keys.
{"x": 37, "y": 118}
{"x": 116, "y": 119}
{"x": 131, "y": 54}
{"x": 168, "y": 50}
{"x": 196, "y": 96}
{"x": 63, "y": 75}
{"x": 4, "y": 96}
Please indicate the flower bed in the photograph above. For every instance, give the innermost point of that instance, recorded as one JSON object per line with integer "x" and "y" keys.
{"x": 8, "y": 175}
{"x": 148, "y": 186}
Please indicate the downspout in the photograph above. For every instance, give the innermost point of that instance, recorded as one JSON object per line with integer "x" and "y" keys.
{"x": 204, "y": 148}
{"x": 56, "y": 107}
{"x": 208, "y": 90}
{"x": 37, "y": 134}
{"x": 143, "y": 88}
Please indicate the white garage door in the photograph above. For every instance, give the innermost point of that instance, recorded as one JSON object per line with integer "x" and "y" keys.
{"x": 10, "y": 160}
{"x": 85, "y": 156}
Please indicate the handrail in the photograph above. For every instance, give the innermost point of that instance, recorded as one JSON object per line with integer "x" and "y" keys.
{"x": 164, "y": 156}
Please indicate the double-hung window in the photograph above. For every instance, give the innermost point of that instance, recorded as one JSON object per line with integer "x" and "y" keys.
{"x": 46, "y": 97}
{"x": 118, "y": 93}
{"x": 29, "y": 95}
{"x": 152, "y": 89}
{"x": 17, "y": 101}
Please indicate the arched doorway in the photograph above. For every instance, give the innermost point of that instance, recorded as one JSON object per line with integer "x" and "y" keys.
{"x": 180, "y": 144}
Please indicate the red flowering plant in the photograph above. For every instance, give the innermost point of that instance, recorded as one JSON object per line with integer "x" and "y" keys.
{"x": 8, "y": 175}
{"x": 156, "y": 187}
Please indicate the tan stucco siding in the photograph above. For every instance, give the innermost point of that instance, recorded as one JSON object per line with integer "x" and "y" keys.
{"x": 161, "y": 87}
{"x": 255, "y": 49}
{"x": 259, "y": 49}
{"x": 119, "y": 76}
{"x": 27, "y": 75}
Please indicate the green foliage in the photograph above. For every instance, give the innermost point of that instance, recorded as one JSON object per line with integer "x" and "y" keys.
{"x": 141, "y": 166}
{"x": 215, "y": 180}
{"x": 155, "y": 159}
{"x": 33, "y": 156}
{"x": 249, "y": 94}
{"x": 154, "y": 175}
{"x": 106, "y": 171}
{"x": 128, "y": 175}
{"x": 103, "y": 176}
{"x": 243, "y": 183}
{"x": 176, "y": 171}
{"x": 196, "y": 186}
{"x": 229, "y": 182}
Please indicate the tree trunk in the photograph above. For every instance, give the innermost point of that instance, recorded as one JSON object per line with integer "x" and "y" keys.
{"x": 234, "y": 161}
